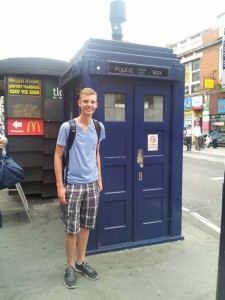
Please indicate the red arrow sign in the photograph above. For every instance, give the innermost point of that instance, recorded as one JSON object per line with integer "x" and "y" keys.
{"x": 25, "y": 127}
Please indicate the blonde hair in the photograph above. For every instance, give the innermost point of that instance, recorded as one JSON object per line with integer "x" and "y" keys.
{"x": 88, "y": 91}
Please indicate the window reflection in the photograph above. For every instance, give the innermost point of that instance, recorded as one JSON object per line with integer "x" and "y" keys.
{"x": 115, "y": 107}
{"x": 153, "y": 108}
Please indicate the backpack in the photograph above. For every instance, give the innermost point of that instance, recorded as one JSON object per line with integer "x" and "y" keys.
{"x": 70, "y": 141}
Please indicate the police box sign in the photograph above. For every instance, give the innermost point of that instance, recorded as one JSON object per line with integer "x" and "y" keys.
{"x": 138, "y": 70}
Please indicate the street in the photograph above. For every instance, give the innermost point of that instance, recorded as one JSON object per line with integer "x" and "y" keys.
{"x": 203, "y": 177}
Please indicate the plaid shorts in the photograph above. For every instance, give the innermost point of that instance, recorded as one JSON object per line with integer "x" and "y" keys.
{"x": 81, "y": 211}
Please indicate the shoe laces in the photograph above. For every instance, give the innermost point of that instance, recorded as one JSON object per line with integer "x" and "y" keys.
{"x": 70, "y": 273}
{"x": 87, "y": 267}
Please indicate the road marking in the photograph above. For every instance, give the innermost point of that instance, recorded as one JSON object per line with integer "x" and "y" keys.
{"x": 205, "y": 221}
{"x": 217, "y": 178}
{"x": 186, "y": 209}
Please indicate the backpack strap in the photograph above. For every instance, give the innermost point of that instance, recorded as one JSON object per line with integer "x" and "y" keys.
{"x": 69, "y": 144}
{"x": 97, "y": 128}
{"x": 72, "y": 133}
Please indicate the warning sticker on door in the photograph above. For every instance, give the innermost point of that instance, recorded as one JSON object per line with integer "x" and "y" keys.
{"x": 153, "y": 142}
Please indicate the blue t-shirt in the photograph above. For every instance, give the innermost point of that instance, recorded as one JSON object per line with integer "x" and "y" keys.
{"x": 82, "y": 167}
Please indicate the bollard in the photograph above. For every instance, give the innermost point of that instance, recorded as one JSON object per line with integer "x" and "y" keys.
{"x": 220, "y": 292}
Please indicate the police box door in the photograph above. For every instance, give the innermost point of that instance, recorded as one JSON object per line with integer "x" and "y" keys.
{"x": 152, "y": 123}
{"x": 135, "y": 161}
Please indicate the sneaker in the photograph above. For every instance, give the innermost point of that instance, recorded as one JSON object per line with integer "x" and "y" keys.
{"x": 86, "y": 270}
{"x": 70, "y": 280}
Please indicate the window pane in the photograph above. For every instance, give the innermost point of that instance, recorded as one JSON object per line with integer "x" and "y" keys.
{"x": 195, "y": 88}
{"x": 195, "y": 76}
{"x": 115, "y": 107}
{"x": 196, "y": 65}
{"x": 153, "y": 108}
{"x": 186, "y": 89}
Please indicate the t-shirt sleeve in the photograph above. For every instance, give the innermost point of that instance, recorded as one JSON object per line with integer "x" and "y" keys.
{"x": 63, "y": 134}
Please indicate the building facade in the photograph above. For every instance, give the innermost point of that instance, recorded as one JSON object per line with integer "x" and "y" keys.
{"x": 202, "y": 54}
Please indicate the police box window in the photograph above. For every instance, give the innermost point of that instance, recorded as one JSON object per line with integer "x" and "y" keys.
{"x": 153, "y": 108}
{"x": 115, "y": 106}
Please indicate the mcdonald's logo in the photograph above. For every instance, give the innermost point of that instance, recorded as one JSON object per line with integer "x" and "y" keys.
{"x": 33, "y": 125}
{"x": 25, "y": 127}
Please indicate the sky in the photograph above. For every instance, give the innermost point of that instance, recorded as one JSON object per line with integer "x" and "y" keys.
{"x": 58, "y": 29}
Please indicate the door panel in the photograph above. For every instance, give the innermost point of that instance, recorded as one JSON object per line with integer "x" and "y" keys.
{"x": 116, "y": 207}
{"x": 151, "y": 179}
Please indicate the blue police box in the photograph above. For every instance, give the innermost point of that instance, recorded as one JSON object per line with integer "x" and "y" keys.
{"x": 141, "y": 103}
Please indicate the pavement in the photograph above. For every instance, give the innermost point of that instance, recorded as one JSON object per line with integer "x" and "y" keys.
{"x": 32, "y": 258}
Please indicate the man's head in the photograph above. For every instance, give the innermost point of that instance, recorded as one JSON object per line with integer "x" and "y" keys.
{"x": 87, "y": 91}
{"x": 88, "y": 101}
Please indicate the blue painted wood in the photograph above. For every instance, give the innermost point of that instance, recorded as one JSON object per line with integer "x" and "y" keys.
{"x": 134, "y": 212}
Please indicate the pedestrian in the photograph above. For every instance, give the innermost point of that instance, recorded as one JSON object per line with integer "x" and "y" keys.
{"x": 215, "y": 137}
{"x": 1, "y": 129}
{"x": 80, "y": 197}
{"x": 197, "y": 134}
{"x": 208, "y": 140}
{"x": 184, "y": 135}
{"x": 189, "y": 138}
{"x": 3, "y": 143}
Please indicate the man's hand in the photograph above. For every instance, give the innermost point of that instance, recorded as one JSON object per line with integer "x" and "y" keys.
{"x": 100, "y": 185}
{"x": 61, "y": 195}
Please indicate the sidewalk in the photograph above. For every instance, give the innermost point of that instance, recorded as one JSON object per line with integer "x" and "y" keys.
{"x": 217, "y": 154}
{"x": 32, "y": 261}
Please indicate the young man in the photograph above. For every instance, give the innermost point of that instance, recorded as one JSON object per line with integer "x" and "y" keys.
{"x": 80, "y": 197}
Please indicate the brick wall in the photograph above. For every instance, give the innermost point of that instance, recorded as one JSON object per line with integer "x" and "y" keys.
{"x": 210, "y": 58}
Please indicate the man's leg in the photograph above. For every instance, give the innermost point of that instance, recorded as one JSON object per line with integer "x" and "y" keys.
{"x": 70, "y": 249}
{"x": 81, "y": 265}
{"x": 197, "y": 143}
{"x": 70, "y": 280}
{"x": 82, "y": 244}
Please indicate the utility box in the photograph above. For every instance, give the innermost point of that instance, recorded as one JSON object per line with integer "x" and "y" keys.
{"x": 141, "y": 96}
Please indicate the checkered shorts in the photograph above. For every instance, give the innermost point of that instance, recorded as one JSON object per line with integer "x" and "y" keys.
{"x": 81, "y": 211}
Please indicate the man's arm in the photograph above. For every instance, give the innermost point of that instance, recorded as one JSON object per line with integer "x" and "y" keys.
{"x": 3, "y": 141}
{"x": 59, "y": 150}
{"x": 98, "y": 159}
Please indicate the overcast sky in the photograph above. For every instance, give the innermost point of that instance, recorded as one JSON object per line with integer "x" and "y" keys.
{"x": 58, "y": 29}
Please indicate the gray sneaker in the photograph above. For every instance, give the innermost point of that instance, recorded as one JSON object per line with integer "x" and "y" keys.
{"x": 86, "y": 270}
{"x": 70, "y": 280}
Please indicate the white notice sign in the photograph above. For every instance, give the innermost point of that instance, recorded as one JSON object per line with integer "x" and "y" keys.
{"x": 153, "y": 142}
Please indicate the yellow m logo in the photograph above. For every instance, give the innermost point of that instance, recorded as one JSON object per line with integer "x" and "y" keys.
{"x": 33, "y": 125}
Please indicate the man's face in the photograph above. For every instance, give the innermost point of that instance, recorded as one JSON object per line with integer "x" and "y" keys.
{"x": 88, "y": 104}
